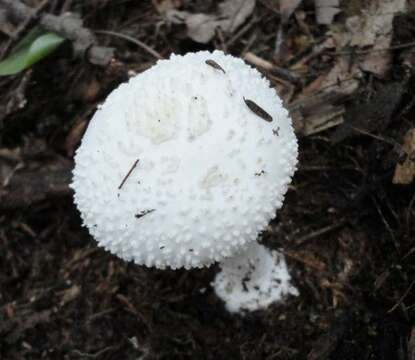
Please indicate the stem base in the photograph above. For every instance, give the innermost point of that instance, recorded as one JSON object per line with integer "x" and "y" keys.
{"x": 253, "y": 279}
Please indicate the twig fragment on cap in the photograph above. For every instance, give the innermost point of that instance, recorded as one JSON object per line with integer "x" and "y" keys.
{"x": 143, "y": 213}
{"x": 257, "y": 110}
{"x": 128, "y": 174}
{"x": 215, "y": 65}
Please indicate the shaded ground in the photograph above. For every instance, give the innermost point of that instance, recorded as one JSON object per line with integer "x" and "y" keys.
{"x": 347, "y": 230}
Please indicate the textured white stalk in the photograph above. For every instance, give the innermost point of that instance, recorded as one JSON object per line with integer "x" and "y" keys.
{"x": 253, "y": 279}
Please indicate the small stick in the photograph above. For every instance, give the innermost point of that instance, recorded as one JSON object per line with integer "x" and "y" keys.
{"x": 402, "y": 298}
{"x": 257, "y": 110}
{"x": 215, "y": 65}
{"x": 301, "y": 241}
{"x": 272, "y": 69}
{"x": 128, "y": 174}
{"x": 133, "y": 40}
{"x": 143, "y": 213}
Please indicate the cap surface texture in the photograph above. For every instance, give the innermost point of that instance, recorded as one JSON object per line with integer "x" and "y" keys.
{"x": 176, "y": 170}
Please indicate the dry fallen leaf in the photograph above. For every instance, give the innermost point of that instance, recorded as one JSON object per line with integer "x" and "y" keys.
{"x": 202, "y": 27}
{"x": 287, "y": 7}
{"x": 70, "y": 294}
{"x": 405, "y": 172}
{"x": 373, "y": 28}
{"x": 375, "y": 22}
{"x": 370, "y": 31}
{"x": 343, "y": 78}
{"x": 237, "y": 11}
{"x": 326, "y": 10}
{"x": 162, "y": 6}
{"x": 325, "y": 118}
{"x": 379, "y": 29}
{"x": 316, "y": 113}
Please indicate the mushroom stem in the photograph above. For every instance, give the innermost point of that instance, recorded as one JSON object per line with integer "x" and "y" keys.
{"x": 253, "y": 279}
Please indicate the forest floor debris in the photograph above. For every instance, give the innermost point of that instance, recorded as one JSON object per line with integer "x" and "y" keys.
{"x": 347, "y": 226}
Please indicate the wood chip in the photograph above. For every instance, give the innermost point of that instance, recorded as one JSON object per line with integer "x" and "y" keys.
{"x": 327, "y": 117}
{"x": 405, "y": 171}
{"x": 69, "y": 295}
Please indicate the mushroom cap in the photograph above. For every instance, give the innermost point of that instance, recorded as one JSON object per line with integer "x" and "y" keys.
{"x": 210, "y": 173}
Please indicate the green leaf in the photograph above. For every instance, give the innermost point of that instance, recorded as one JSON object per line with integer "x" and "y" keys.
{"x": 28, "y": 39}
{"x": 35, "y": 46}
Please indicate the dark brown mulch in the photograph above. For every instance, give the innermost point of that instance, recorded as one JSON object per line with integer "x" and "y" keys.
{"x": 347, "y": 231}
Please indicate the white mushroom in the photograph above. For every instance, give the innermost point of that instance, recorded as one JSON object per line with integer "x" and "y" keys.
{"x": 184, "y": 166}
